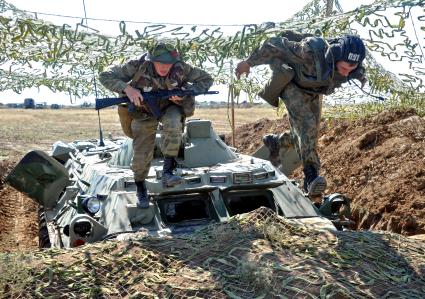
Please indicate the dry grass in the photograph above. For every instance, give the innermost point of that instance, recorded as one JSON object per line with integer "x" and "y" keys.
{"x": 27, "y": 129}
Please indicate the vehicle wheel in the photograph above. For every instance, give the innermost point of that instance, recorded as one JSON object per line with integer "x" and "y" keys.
{"x": 43, "y": 234}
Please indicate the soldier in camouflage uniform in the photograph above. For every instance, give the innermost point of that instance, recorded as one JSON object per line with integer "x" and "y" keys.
{"x": 160, "y": 68}
{"x": 315, "y": 67}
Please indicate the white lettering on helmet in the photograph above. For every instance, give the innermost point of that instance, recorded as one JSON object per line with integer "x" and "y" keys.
{"x": 353, "y": 57}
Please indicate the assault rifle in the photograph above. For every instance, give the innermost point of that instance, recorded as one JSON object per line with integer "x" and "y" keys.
{"x": 150, "y": 98}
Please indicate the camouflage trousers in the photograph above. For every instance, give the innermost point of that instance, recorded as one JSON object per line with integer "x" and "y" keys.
{"x": 144, "y": 133}
{"x": 304, "y": 111}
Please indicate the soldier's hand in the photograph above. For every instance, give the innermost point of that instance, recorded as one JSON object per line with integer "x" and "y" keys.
{"x": 176, "y": 100}
{"x": 134, "y": 95}
{"x": 242, "y": 68}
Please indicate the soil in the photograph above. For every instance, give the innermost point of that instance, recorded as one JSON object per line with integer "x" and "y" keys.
{"x": 378, "y": 162}
{"x": 18, "y": 215}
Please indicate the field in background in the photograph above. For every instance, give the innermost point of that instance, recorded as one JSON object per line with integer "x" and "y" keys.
{"x": 22, "y": 130}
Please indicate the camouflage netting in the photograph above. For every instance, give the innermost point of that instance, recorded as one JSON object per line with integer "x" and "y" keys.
{"x": 255, "y": 255}
{"x": 66, "y": 58}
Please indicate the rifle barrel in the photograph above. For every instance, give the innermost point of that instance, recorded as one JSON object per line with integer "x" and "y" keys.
{"x": 107, "y": 102}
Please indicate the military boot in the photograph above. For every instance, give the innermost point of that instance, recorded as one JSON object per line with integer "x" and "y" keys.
{"x": 314, "y": 184}
{"x": 168, "y": 179}
{"x": 271, "y": 141}
{"x": 142, "y": 195}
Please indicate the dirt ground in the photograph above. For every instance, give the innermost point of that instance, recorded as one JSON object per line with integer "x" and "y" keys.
{"x": 378, "y": 162}
{"x": 18, "y": 215}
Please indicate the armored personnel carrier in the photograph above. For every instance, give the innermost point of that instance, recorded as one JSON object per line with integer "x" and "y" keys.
{"x": 87, "y": 192}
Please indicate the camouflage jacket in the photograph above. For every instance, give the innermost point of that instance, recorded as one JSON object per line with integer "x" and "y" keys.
{"x": 301, "y": 57}
{"x": 142, "y": 75}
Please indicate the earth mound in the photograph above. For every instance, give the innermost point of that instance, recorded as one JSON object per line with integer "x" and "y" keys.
{"x": 378, "y": 162}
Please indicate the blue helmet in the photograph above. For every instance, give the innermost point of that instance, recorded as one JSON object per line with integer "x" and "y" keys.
{"x": 349, "y": 48}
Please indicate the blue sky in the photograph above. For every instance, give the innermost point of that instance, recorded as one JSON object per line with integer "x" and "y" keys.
{"x": 164, "y": 11}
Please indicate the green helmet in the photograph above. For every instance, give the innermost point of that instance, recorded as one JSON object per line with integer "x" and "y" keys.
{"x": 164, "y": 53}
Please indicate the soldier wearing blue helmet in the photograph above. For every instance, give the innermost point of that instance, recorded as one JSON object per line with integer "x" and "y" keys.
{"x": 304, "y": 68}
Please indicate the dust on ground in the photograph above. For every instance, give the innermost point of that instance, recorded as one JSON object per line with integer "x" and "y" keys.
{"x": 18, "y": 215}
{"x": 378, "y": 162}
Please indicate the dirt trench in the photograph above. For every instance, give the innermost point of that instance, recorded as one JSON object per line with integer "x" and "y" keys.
{"x": 18, "y": 215}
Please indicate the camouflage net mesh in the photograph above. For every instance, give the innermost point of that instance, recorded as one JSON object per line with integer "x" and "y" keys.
{"x": 66, "y": 58}
{"x": 254, "y": 255}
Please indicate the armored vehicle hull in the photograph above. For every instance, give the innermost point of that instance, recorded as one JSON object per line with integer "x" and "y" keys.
{"x": 88, "y": 194}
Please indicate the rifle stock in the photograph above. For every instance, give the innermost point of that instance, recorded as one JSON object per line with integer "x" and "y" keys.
{"x": 151, "y": 98}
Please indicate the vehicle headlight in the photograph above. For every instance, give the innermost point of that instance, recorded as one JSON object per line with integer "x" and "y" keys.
{"x": 91, "y": 205}
{"x": 82, "y": 228}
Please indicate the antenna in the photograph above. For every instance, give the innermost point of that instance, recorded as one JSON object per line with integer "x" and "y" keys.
{"x": 101, "y": 143}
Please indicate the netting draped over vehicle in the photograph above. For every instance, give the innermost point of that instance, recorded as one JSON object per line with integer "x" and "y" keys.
{"x": 254, "y": 255}
{"x": 65, "y": 58}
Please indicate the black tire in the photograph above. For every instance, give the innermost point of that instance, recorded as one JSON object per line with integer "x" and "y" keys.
{"x": 43, "y": 233}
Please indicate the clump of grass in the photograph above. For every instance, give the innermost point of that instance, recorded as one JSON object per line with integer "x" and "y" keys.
{"x": 256, "y": 274}
{"x": 354, "y": 112}
{"x": 16, "y": 275}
